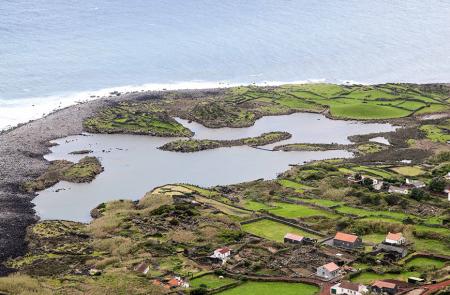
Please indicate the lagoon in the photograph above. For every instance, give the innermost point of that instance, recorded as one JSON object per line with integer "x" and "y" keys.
{"x": 133, "y": 164}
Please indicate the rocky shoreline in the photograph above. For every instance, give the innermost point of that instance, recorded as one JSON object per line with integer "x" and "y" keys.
{"x": 22, "y": 151}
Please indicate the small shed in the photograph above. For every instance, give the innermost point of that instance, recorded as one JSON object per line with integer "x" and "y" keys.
{"x": 293, "y": 238}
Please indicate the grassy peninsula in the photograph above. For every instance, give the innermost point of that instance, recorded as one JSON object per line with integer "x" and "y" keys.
{"x": 195, "y": 145}
{"x": 83, "y": 171}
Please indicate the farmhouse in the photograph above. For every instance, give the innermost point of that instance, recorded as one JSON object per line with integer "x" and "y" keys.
{"x": 328, "y": 271}
{"x": 142, "y": 268}
{"x": 293, "y": 238}
{"x": 222, "y": 253}
{"x": 404, "y": 190}
{"x": 395, "y": 239}
{"x": 176, "y": 282}
{"x": 383, "y": 287}
{"x": 348, "y": 288}
{"x": 415, "y": 183}
{"x": 346, "y": 241}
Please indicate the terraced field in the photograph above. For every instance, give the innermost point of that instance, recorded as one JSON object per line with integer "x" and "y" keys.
{"x": 269, "y": 288}
{"x": 273, "y": 230}
{"x": 349, "y": 102}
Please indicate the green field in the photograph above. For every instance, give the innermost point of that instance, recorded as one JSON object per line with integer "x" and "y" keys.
{"x": 297, "y": 211}
{"x": 370, "y": 277}
{"x": 374, "y": 171}
{"x": 435, "y": 133}
{"x": 273, "y": 230}
{"x": 254, "y": 205}
{"x": 270, "y": 288}
{"x": 431, "y": 246}
{"x": 322, "y": 202}
{"x": 408, "y": 170}
{"x": 425, "y": 263}
{"x": 211, "y": 281}
{"x": 363, "y": 212}
{"x": 294, "y": 185}
{"x": 374, "y": 238}
{"x": 352, "y": 102}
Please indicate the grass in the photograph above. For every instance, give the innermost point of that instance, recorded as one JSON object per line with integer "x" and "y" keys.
{"x": 195, "y": 145}
{"x": 273, "y": 230}
{"x": 425, "y": 262}
{"x": 229, "y": 210}
{"x": 435, "y": 133}
{"x": 408, "y": 170}
{"x": 255, "y": 206}
{"x": 322, "y": 202}
{"x": 370, "y": 277}
{"x": 211, "y": 281}
{"x": 294, "y": 185}
{"x": 375, "y": 171}
{"x": 431, "y": 246}
{"x": 297, "y": 211}
{"x": 374, "y": 238}
{"x": 367, "y": 111}
{"x": 269, "y": 288}
{"x": 363, "y": 212}
{"x": 127, "y": 118}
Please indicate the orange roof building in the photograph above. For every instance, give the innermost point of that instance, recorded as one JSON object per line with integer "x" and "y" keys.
{"x": 346, "y": 241}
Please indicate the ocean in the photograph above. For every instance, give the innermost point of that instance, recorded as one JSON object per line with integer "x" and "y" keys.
{"x": 54, "y": 52}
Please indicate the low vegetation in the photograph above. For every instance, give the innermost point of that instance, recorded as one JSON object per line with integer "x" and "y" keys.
{"x": 195, "y": 145}
{"x": 83, "y": 171}
{"x": 135, "y": 119}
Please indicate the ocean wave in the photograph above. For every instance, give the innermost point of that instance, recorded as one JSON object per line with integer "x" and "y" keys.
{"x": 17, "y": 111}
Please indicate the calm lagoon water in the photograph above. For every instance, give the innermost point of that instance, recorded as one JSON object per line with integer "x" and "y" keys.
{"x": 134, "y": 165}
{"x": 54, "y": 52}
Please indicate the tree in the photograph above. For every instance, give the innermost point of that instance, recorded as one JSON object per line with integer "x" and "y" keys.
{"x": 368, "y": 182}
{"x": 392, "y": 199}
{"x": 437, "y": 184}
{"x": 418, "y": 194}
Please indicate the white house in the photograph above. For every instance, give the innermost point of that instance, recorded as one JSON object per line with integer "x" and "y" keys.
{"x": 415, "y": 183}
{"x": 447, "y": 191}
{"x": 399, "y": 190}
{"x": 222, "y": 253}
{"x": 378, "y": 186}
{"x": 142, "y": 268}
{"x": 348, "y": 288}
{"x": 395, "y": 239}
{"x": 328, "y": 271}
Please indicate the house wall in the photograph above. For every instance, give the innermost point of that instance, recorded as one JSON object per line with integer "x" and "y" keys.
{"x": 347, "y": 245}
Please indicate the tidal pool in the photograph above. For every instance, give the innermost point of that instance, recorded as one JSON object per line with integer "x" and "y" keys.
{"x": 133, "y": 164}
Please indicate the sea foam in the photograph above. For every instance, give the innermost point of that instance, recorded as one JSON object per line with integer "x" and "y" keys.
{"x": 17, "y": 111}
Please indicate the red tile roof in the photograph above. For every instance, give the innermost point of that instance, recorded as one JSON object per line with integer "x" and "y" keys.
{"x": 223, "y": 250}
{"x": 174, "y": 282}
{"x": 394, "y": 236}
{"x": 345, "y": 237}
{"x": 294, "y": 237}
{"x": 331, "y": 266}
{"x": 383, "y": 284}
